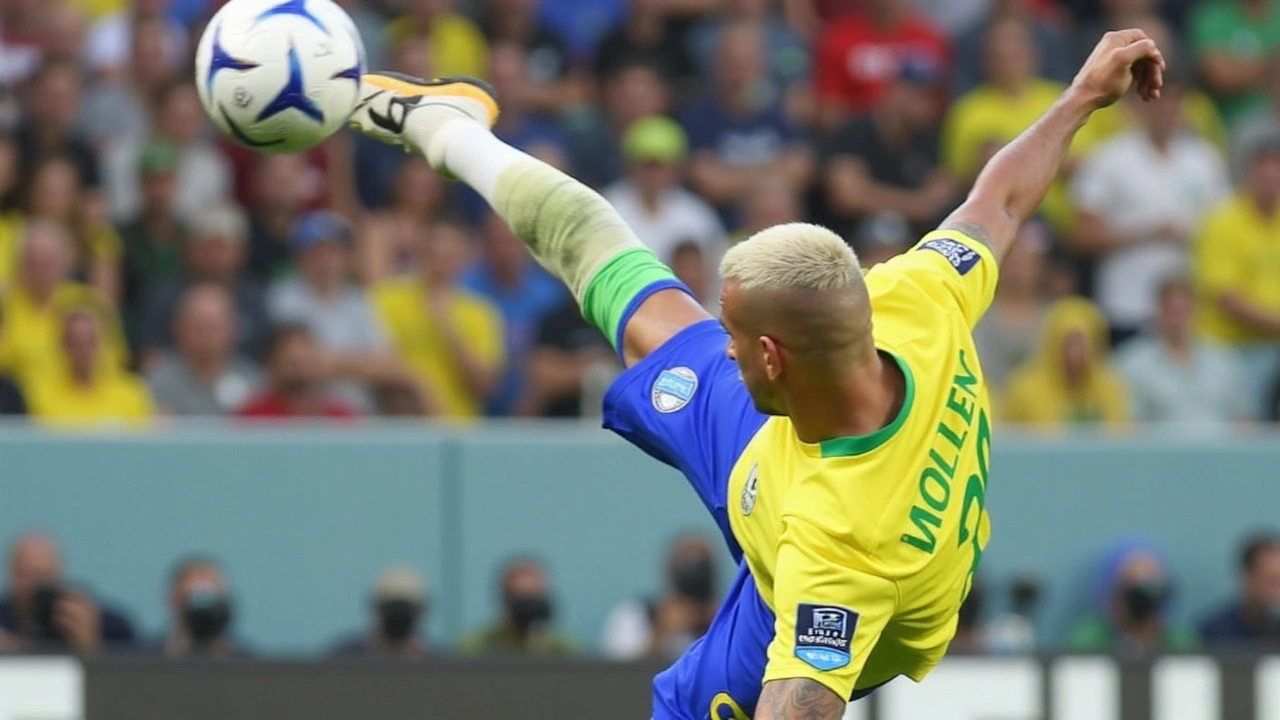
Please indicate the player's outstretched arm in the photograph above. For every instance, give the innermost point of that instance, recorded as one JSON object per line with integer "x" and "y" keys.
{"x": 1015, "y": 181}
{"x": 798, "y": 699}
{"x": 569, "y": 228}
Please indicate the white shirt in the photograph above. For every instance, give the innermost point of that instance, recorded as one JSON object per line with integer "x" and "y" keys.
{"x": 681, "y": 217}
{"x": 203, "y": 179}
{"x": 1134, "y": 189}
{"x": 1207, "y": 393}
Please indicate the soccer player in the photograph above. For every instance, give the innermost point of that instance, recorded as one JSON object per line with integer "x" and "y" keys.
{"x": 835, "y": 423}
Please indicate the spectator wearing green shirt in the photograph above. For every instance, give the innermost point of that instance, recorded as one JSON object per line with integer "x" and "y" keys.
{"x": 525, "y": 627}
{"x": 1131, "y": 596}
{"x": 1236, "y": 44}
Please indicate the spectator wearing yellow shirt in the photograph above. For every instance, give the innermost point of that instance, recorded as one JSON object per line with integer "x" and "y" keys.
{"x": 42, "y": 294}
{"x": 57, "y": 194}
{"x": 457, "y": 46}
{"x": 450, "y": 338}
{"x": 1069, "y": 381}
{"x": 81, "y": 390}
{"x": 1238, "y": 270}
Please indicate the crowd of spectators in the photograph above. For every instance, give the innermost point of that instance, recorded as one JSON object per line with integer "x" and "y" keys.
{"x": 150, "y": 267}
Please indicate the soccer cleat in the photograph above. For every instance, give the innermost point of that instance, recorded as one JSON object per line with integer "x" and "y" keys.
{"x": 403, "y": 110}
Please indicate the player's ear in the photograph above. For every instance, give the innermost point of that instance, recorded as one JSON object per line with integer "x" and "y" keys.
{"x": 771, "y": 353}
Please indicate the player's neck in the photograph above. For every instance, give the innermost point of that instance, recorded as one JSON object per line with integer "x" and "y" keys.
{"x": 863, "y": 400}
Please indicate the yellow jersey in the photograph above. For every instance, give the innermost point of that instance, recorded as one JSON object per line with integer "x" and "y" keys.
{"x": 1237, "y": 250}
{"x": 865, "y": 547}
{"x": 31, "y": 334}
{"x": 115, "y": 399}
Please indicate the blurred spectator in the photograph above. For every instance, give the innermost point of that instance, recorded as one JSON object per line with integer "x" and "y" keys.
{"x": 55, "y": 193}
{"x": 387, "y": 239}
{"x": 1112, "y": 15}
{"x": 1235, "y": 44}
{"x": 650, "y": 198}
{"x": 548, "y": 68}
{"x": 526, "y": 625}
{"x": 203, "y": 376}
{"x": 398, "y": 606}
{"x": 1069, "y": 380}
{"x": 665, "y": 626}
{"x": 280, "y": 197}
{"x": 633, "y": 91}
{"x": 34, "y": 307}
{"x": 646, "y": 36}
{"x": 200, "y": 612}
{"x": 109, "y": 41}
{"x": 581, "y": 23}
{"x": 738, "y": 132}
{"x": 1256, "y": 127}
{"x": 10, "y": 215}
{"x": 567, "y": 352}
{"x": 786, "y": 54}
{"x": 858, "y": 57}
{"x": 1006, "y": 336}
{"x": 770, "y": 200}
{"x": 20, "y": 41}
{"x": 87, "y": 389}
{"x": 42, "y": 611}
{"x": 121, "y": 109}
{"x": 64, "y": 33}
{"x": 689, "y": 264}
{"x": 153, "y": 237}
{"x": 456, "y": 45}
{"x": 338, "y": 313}
{"x": 1175, "y": 377}
{"x": 1237, "y": 271}
{"x": 450, "y": 338}
{"x": 1137, "y": 236}
{"x": 521, "y": 125}
{"x": 202, "y": 175}
{"x": 887, "y": 160}
{"x": 1132, "y": 591}
{"x": 507, "y": 276}
{"x": 48, "y": 126}
{"x": 295, "y": 383}
{"x": 1056, "y": 62}
{"x": 881, "y": 237}
{"x": 1254, "y": 617}
{"x": 213, "y": 254}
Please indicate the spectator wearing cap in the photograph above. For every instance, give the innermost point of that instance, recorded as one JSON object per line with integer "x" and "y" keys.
{"x": 888, "y": 160}
{"x": 203, "y": 375}
{"x": 398, "y": 606}
{"x": 214, "y": 254}
{"x": 650, "y": 198}
{"x": 524, "y": 294}
{"x": 735, "y": 132}
{"x": 1175, "y": 377}
{"x": 881, "y": 237}
{"x": 1253, "y": 617}
{"x": 295, "y": 386}
{"x": 1237, "y": 271}
{"x": 153, "y": 237}
{"x": 338, "y": 312}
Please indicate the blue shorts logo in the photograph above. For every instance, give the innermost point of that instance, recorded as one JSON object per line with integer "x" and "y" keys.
{"x": 961, "y": 256}
{"x": 824, "y": 635}
{"x": 673, "y": 389}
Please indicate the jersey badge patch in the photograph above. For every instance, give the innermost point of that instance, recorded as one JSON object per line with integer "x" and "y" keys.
{"x": 961, "y": 256}
{"x": 824, "y": 635}
{"x": 673, "y": 389}
{"x": 749, "y": 490}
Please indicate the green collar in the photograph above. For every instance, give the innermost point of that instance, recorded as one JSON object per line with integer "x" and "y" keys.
{"x": 862, "y": 444}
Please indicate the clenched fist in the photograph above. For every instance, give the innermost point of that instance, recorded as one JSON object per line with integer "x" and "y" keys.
{"x": 1121, "y": 59}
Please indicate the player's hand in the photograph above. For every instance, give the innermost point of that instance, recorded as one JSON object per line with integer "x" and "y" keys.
{"x": 1121, "y": 59}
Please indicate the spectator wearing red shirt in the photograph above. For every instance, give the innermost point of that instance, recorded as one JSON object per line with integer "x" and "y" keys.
{"x": 295, "y": 388}
{"x": 858, "y": 57}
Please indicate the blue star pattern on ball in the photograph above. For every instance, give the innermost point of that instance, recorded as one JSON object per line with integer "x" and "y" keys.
{"x": 223, "y": 60}
{"x": 293, "y": 94}
{"x": 352, "y": 73}
{"x": 297, "y": 8}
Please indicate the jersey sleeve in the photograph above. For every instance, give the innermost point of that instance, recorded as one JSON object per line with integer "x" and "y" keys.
{"x": 953, "y": 268}
{"x": 829, "y": 615}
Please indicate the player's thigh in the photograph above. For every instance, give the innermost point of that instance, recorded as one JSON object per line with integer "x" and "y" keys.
{"x": 684, "y": 403}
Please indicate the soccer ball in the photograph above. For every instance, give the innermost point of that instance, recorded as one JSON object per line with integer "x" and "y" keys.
{"x": 279, "y": 76}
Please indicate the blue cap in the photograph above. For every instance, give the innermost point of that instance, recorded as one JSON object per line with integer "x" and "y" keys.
{"x": 319, "y": 226}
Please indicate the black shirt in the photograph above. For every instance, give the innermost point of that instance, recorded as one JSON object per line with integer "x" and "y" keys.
{"x": 669, "y": 55}
{"x": 906, "y": 167}
{"x": 11, "y": 400}
{"x": 547, "y": 55}
{"x": 74, "y": 148}
{"x": 565, "y": 330}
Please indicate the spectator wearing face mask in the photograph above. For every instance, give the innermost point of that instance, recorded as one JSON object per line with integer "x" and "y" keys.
{"x": 201, "y": 613}
{"x": 1254, "y": 617}
{"x": 1132, "y": 594}
{"x": 399, "y": 610}
{"x": 526, "y": 626}
{"x": 665, "y": 627}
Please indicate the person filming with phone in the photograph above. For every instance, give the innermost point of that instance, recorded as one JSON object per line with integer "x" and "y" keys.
{"x": 42, "y": 612}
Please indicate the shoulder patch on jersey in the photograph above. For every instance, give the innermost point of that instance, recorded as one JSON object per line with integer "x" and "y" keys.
{"x": 673, "y": 389}
{"x": 961, "y": 256}
{"x": 824, "y": 635}
{"x": 749, "y": 490}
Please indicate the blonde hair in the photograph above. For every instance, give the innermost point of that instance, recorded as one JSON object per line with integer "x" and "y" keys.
{"x": 792, "y": 256}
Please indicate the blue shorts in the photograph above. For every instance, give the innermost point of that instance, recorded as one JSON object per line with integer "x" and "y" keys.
{"x": 685, "y": 405}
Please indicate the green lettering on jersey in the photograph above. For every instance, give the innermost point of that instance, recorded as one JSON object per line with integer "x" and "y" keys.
{"x": 922, "y": 519}
{"x": 960, "y": 405}
{"x": 938, "y": 492}
{"x": 968, "y": 381}
{"x": 975, "y": 498}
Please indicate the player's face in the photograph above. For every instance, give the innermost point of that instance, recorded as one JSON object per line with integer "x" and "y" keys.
{"x": 756, "y": 356}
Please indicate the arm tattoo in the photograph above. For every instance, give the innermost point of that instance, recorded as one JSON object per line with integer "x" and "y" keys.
{"x": 973, "y": 230}
{"x": 798, "y": 699}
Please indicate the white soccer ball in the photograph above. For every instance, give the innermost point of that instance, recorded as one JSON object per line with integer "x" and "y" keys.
{"x": 280, "y": 76}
